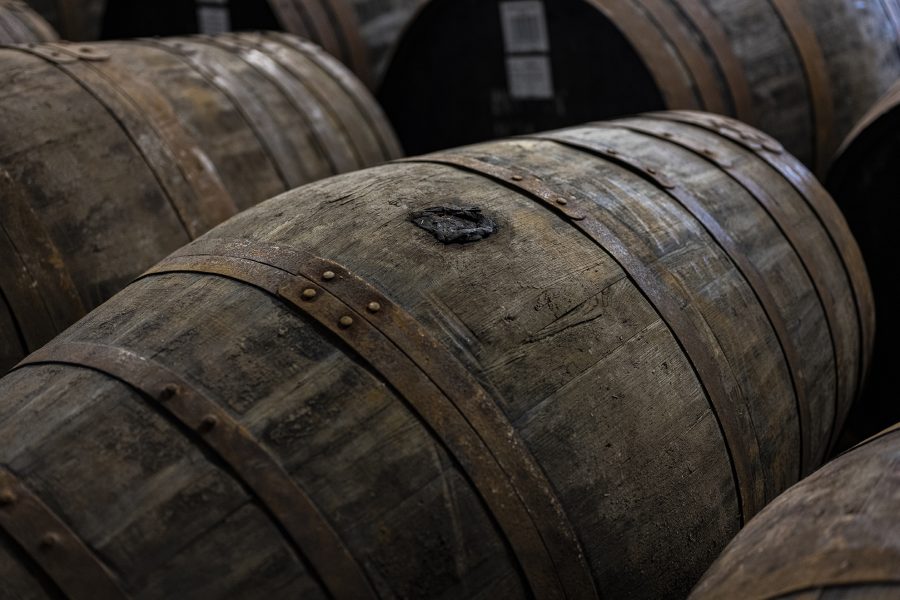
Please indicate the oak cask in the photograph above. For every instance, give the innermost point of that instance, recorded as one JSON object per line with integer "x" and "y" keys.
{"x": 567, "y": 365}
{"x": 21, "y": 25}
{"x": 112, "y": 155}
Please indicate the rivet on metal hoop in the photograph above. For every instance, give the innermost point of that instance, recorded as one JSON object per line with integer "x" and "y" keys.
{"x": 345, "y": 321}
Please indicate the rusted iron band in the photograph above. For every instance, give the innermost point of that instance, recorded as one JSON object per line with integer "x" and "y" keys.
{"x": 308, "y": 530}
{"x": 650, "y": 44}
{"x": 320, "y": 27}
{"x": 672, "y": 25}
{"x": 827, "y": 213}
{"x": 370, "y": 109}
{"x": 34, "y": 278}
{"x": 742, "y": 447}
{"x": 350, "y": 39}
{"x": 52, "y": 545}
{"x": 432, "y": 381}
{"x": 818, "y": 80}
{"x": 243, "y": 99}
{"x": 754, "y": 279}
{"x": 717, "y": 40}
{"x": 338, "y": 157}
{"x": 181, "y": 167}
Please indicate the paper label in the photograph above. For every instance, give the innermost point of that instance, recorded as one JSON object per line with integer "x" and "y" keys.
{"x": 530, "y": 77}
{"x": 524, "y": 26}
{"x": 213, "y": 18}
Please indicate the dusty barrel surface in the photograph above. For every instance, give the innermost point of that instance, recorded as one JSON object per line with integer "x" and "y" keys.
{"x": 332, "y": 24}
{"x": 834, "y": 536}
{"x": 75, "y": 20}
{"x": 631, "y": 338}
{"x": 113, "y": 155}
{"x": 802, "y": 70}
{"x": 864, "y": 181}
{"x": 21, "y": 25}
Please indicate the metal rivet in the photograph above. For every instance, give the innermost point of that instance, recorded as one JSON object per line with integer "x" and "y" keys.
{"x": 86, "y": 50}
{"x": 708, "y": 152}
{"x": 562, "y": 201}
{"x": 328, "y": 275}
{"x": 208, "y": 423}
{"x": 612, "y": 151}
{"x": 50, "y": 540}
{"x": 54, "y": 54}
{"x": 667, "y": 135}
{"x": 516, "y": 178}
{"x": 345, "y": 321}
{"x": 651, "y": 171}
{"x": 309, "y": 294}
{"x": 374, "y": 307}
{"x": 168, "y": 392}
{"x": 7, "y": 497}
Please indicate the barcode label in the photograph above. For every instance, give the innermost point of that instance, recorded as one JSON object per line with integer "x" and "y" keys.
{"x": 213, "y": 19}
{"x": 530, "y": 77}
{"x": 524, "y": 26}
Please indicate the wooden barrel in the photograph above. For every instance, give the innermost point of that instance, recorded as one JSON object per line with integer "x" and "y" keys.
{"x": 381, "y": 23}
{"x": 113, "y": 155}
{"x": 833, "y": 536}
{"x": 864, "y": 180}
{"x": 558, "y": 366}
{"x": 331, "y": 24}
{"x": 803, "y": 70}
{"x": 21, "y": 25}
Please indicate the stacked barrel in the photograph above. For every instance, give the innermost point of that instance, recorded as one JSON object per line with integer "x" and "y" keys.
{"x": 247, "y": 349}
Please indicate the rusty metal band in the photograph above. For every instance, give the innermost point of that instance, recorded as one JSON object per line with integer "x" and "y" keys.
{"x": 818, "y": 80}
{"x": 40, "y": 290}
{"x": 245, "y": 102}
{"x": 436, "y": 386}
{"x": 337, "y": 155}
{"x": 44, "y": 537}
{"x": 363, "y": 153}
{"x": 649, "y": 42}
{"x": 261, "y": 472}
{"x": 741, "y": 446}
{"x": 717, "y": 40}
{"x": 181, "y": 167}
{"x": 350, "y": 39}
{"x": 840, "y": 568}
{"x": 730, "y": 247}
{"x": 801, "y": 248}
{"x": 367, "y": 105}
{"x": 321, "y": 30}
{"x": 673, "y": 27}
{"x": 824, "y": 209}
{"x": 289, "y": 18}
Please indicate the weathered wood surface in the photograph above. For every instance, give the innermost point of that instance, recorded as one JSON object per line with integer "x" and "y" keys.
{"x": 592, "y": 399}
{"x": 21, "y": 25}
{"x": 833, "y": 536}
{"x": 115, "y": 154}
{"x": 358, "y": 32}
{"x": 802, "y": 70}
{"x": 75, "y": 20}
{"x": 864, "y": 180}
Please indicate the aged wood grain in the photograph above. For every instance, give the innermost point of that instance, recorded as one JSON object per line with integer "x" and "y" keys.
{"x": 137, "y": 147}
{"x": 834, "y": 535}
{"x": 19, "y": 24}
{"x": 619, "y": 345}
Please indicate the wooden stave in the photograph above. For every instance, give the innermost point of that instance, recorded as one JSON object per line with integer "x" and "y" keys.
{"x": 466, "y": 346}
{"x": 829, "y": 536}
{"x": 21, "y": 25}
{"x": 237, "y": 156}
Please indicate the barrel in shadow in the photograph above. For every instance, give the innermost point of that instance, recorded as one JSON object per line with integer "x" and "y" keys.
{"x": 333, "y": 24}
{"x": 864, "y": 181}
{"x": 567, "y": 365}
{"x": 833, "y": 536}
{"x": 113, "y": 155}
{"x": 19, "y": 24}
{"x": 803, "y": 70}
